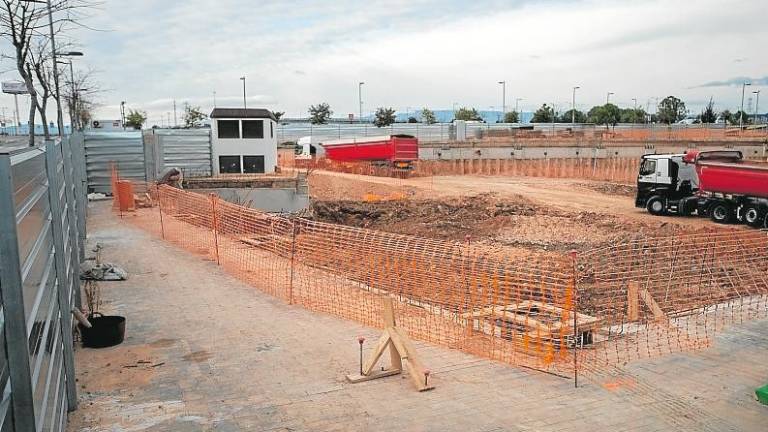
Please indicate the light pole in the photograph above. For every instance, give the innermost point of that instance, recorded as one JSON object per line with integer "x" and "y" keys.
{"x": 214, "y": 98}
{"x": 573, "y": 106}
{"x": 245, "y": 104}
{"x": 122, "y": 113}
{"x": 72, "y": 121}
{"x": 741, "y": 112}
{"x": 503, "y": 99}
{"x": 360, "y": 99}
{"x": 519, "y": 114}
{"x": 608, "y": 98}
{"x": 634, "y": 112}
{"x": 757, "y": 104}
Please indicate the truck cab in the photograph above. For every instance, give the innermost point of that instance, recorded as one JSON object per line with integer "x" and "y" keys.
{"x": 665, "y": 183}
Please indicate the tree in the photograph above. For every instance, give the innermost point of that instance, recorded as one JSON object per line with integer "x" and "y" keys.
{"x": 632, "y": 115}
{"x": 608, "y": 115}
{"x": 428, "y": 117}
{"x": 193, "y": 116}
{"x": 320, "y": 113}
{"x": 78, "y": 97}
{"x": 545, "y": 114}
{"x": 135, "y": 119}
{"x": 467, "y": 114}
{"x": 384, "y": 117}
{"x": 24, "y": 24}
{"x": 708, "y": 115}
{"x": 511, "y": 117}
{"x": 727, "y": 117}
{"x": 745, "y": 118}
{"x": 278, "y": 115}
{"x": 671, "y": 110}
{"x": 568, "y": 117}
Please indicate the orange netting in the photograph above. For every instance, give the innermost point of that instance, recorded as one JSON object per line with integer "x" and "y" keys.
{"x": 551, "y": 312}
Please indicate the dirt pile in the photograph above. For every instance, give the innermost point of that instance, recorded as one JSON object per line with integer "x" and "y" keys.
{"x": 509, "y": 221}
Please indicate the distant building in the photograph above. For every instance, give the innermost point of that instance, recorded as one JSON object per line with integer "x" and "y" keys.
{"x": 244, "y": 141}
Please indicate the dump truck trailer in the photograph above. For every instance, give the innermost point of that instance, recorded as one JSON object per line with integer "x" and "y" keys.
{"x": 718, "y": 184}
{"x": 396, "y": 151}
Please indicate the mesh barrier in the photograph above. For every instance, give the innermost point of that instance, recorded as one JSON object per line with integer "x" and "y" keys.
{"x": 623, "y": 170}
{"x": 557, "y": 313}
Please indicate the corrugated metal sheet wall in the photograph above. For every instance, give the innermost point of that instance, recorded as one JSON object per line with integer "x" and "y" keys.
{"x": 186, "y": 149}
{"x": 41, "y": 196}
{"x": 126, "y": 149}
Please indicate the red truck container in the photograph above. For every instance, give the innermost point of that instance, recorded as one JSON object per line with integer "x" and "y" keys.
{"x": 725, "y": 172}
{"x": 398, "y": 151}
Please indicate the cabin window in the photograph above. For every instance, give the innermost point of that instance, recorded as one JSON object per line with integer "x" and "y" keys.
{"x": 253, "y": 129}
{"x": 648, "y": 167}
{"x": 229, "y": 165}
{"x": 228, "y": 129}
{"x": 253, "y": 164}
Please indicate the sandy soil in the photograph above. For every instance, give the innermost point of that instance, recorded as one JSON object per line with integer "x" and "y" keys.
{"x": 529, "y": 212}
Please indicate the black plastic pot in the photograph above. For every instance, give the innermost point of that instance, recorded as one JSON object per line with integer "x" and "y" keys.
{"x": 105, "y": 331}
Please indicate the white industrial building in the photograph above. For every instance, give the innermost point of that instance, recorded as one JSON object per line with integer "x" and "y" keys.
{"x": 243, "y": 141}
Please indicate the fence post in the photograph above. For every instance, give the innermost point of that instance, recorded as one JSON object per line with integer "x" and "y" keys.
{"x": 62, "y": 287}
{"x": 214, "y": 201}
{"x": 576, "y": 338}
{"x": 13, "y": 306}
{"x": 294, "y": 229}
{"x": 158, "y": 189}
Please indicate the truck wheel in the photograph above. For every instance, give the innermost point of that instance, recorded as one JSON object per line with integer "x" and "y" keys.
{"x": 656, "y": 206}
{"x": 721, "y": 213}
{"x": 752, "y": 216}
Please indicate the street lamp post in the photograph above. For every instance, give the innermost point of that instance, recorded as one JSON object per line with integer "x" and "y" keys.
{"x": 741, "y": 112}
{"x": 608, "y": 98}
{"x": 122, "y": 113}
{"x": 72, "y": 121}
{"x": 519, "y": 114}
{"x": 573, "y": 106}
{"x": 360, "y": 99}
{"x": 245, "y": 104}
{"x": 634, "y": 112}
{"x": 503, "y": 99}
{"x": 757, "y": 105}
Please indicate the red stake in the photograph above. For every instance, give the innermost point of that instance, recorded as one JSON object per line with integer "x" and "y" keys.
{"x": 360, "y": 340}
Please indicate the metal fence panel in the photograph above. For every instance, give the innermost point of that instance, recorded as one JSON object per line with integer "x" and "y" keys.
{"x": 125, "y": 149}
{"x": 40, "y": 244}
{"x": 186, "y": 149}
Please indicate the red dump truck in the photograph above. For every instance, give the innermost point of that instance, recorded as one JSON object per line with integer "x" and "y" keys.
{"x": 396, "y": 151}
{"x": 718, "y": 184}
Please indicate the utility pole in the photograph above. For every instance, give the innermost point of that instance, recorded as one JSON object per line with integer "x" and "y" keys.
{"x": 122, "y": 113}
{"x": 174, "y": 113}
{"x": 741, "y": 112}
{"x": 757, "y": 105}
{"x": 360, "y": 99}
{"x": 245, "y": 104}
{"x": 608, "y": 98}
{"x": 573, "y": 107}
{"x": 18, "y": 119}
{"x": 503, "y": 100}
{"x": 634, "y": 113}
{"x": 214, "y": 98}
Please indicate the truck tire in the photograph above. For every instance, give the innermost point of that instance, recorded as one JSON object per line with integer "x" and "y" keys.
{"x": 752, "y": 216}
{"x": 656, "y": 206}
{"x": 721, "y": 212}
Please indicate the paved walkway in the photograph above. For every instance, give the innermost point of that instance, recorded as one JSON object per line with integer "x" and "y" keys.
{"x": 205, "y": 352}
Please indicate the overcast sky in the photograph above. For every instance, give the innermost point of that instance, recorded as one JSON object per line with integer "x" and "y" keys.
{"x": 417, "y": 53}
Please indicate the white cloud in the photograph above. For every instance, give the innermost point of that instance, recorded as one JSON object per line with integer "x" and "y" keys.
{"x": 414, "y": 53}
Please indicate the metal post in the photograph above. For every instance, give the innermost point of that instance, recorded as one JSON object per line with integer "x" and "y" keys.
{"x": 757, "y": 105}
{"x": 741, "y": 112}
{"x": 245, "y": 104}
{"x": 575, "y": 328}
{"x": 214, "y": 198}
{"x": 72, "y": 215}
{"x": 573, "y": 108}
{"x": 62, "y": 285}
{"x": 360, "y": 99}
{"x": 293, "y": 256}
{"x": 13, "y": 306}
{"x": 160, "y": 210}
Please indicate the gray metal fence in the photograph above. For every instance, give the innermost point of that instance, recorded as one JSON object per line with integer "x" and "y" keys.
{"x": 42, "y": 223}
{"x": 186, "y": 149}
{"x": 125, "y": 149}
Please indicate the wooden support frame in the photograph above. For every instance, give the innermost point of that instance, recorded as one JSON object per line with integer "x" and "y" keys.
{"x": 634, "y": 295}
{"x": 400, "y": 348}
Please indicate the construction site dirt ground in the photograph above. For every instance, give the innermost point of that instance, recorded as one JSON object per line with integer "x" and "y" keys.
{"x": 206, "y": 352}
{"x": 527, "y": 212}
